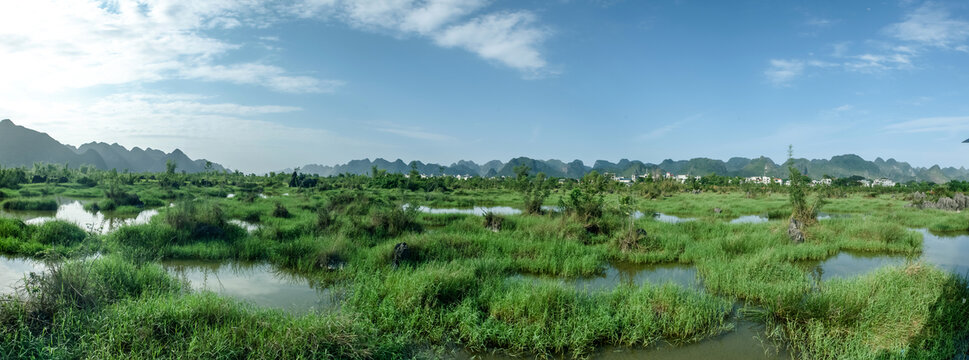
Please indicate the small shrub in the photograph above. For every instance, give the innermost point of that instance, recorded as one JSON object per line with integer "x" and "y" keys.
{"x": 59, "y": 232}
{"x": 194, "y": 220}
{"x": 280, "y": 211}
{"x": 13, "y": 228}
{"x": 395, "y": 221}
{"x": 323, "y": 218}
{"x": 493, "y": 221}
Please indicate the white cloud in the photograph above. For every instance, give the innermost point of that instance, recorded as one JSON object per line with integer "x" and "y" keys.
{"x": 931, "y": 25}
{"x": 270, "y": 76}
{"x": 510, "y": 38}
{"x": 661, "y": 131}
{"x": 782, "y": 72}
{"x": 414, "y": 133}
{"x": 925, "y": 28}
{"x": 422, "y": 17}
{"x": 932, "y": 124}
{"x": 843, "y": 108}
{"x": 868, "y": 63}
{"x": 52, "y": 45}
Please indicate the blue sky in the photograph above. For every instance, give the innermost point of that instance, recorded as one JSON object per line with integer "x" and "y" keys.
{"x": 260, "y": 86}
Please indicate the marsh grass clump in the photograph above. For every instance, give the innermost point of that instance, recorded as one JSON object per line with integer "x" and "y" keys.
{"x": 117, "y": 196}
{"x": 200, "y": 220}
{"x": 13, "y": 228}
{"x": 394, "y": 221}
{"x": 59, "y": 232}
{"x": 56, "y": 311}
{"x": 104, "y": 308}
{"x": 16, "y": 238}
{"x": 848, "y": 318}
{"x": 324, "y": 218}
{"x": 533, "y": 190}
{"x": 803, "y": 214}
{"x": 629, "y": 240}
{"x": 30, "y": 204}
{"x": 280, "y": 211}
{"x": 231, "y": 329}
{"x": 492, "y": 221}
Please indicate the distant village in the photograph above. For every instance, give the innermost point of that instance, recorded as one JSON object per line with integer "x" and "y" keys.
{"x": 764, "y": 180}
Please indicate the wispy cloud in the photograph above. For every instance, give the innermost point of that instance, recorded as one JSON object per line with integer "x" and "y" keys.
{"x": 782, "y": 72}
{"x": 661, "y": 131}
{"x": 931, "y": 25}
{"x": 51, "y": 46}
{"x": 416, "y": 133}
{"x": 270, "y": 76}
{"x": 928, "y": 27}
{"x": 931, "y": 124}
{"x": 510, "y": 38}
{"x": 843, "y": 108}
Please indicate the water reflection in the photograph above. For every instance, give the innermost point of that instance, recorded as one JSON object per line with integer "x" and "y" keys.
{"x": 250, "y": 227}
{"x": 741, "y": 344}
{"x": 260, "y": 284}
{"x": 628, "y": 273}
{"x": 13, "y": 270}
{"x": 661, "y": 217}
{"x": 477, "y": 210}
{"x": 480, "y": 210}
{"x": 949, "y": 252}
{"x": 73, "y": 211}
{"x": 750, "y": 219}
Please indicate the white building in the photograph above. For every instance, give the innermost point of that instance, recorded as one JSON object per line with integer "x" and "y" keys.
{"x": 759, "y": 180}
{"x": 883, "y": 182}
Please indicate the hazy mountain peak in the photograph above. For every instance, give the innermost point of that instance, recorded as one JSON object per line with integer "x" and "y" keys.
{"x": 838, "y": 166}
{"x": 20, "y": 146}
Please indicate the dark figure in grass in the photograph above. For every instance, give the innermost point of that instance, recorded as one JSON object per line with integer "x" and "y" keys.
{"x": 400, "y": 253}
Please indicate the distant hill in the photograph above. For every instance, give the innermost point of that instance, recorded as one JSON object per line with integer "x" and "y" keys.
{"x": 20, "y": 146}
{"x": 837, "y": 166}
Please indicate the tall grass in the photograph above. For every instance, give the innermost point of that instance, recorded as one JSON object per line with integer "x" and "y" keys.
{"x": 913, "y": 312}
{"x": 30, "y": 204}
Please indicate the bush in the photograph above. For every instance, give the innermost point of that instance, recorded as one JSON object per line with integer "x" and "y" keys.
{"x": 493, "y": 221}
{"x": 87, "y": 182}
{"x": 395, "y": 221}
{"x": 59, "y": 232}
{"x": 14, "y": 228}
{"x": 120, "y": 197}
{"x": 280, "y": 211}
{"x": 150, "y": 236}
{"x": 323, "y": 218}
{"x": 194, "y": 220}
{"x": 153, "y": 202}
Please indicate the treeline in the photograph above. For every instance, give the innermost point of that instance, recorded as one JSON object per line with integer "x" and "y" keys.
{"x": 526, "y": 181}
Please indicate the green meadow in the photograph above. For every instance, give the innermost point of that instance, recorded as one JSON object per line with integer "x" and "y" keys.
{"x": 467, "y": 280}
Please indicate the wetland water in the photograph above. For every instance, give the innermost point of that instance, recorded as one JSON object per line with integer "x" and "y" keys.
{"x": 628, "y": 273}
{"x": 13, "y": 270}
{"x": 263, "y": 285}
{"x": 479, "y": 210}
{"x": 741, "y": 343}
{"x": 257, "y": 283}
{"x": 950, "y": 252}
{"x": 661, "y": 217}
{"x": 72, "y": 210}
